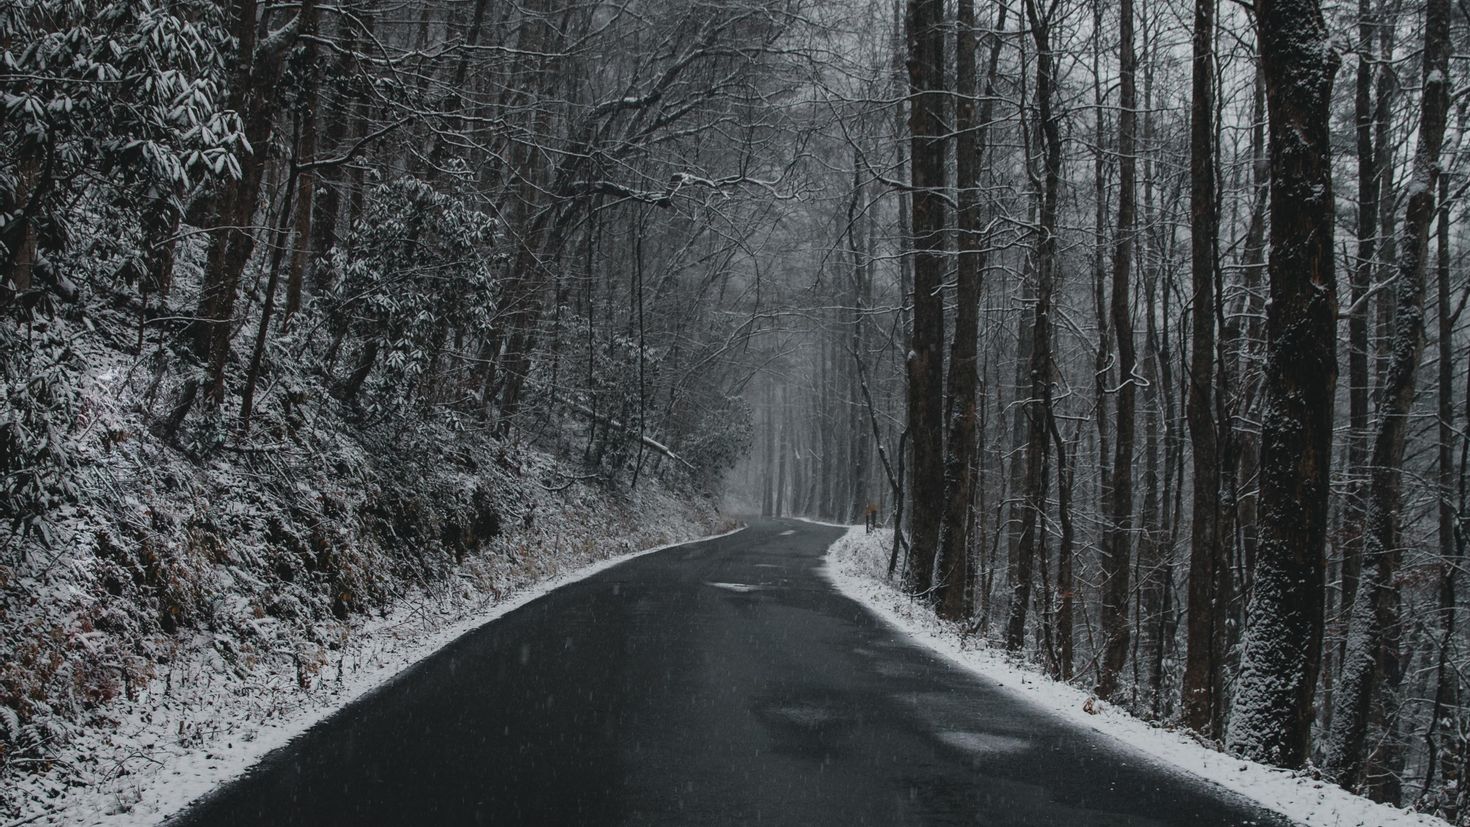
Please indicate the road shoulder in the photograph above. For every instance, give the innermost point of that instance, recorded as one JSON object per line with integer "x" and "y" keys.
{"x": 856, "y": 566}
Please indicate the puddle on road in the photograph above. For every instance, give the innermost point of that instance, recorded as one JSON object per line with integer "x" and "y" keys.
{"x": 982, "y": 743}
{"x": 898, "y": 669}
{"x": 787, "y": 533}
{"x": 805, "y": 715}
{"x": 735, "y": 587}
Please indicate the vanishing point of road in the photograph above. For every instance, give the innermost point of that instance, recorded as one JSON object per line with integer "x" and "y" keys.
{"x": 720, "y": 682}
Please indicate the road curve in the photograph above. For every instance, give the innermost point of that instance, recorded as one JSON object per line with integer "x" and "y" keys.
{"x": 721, "y": 682}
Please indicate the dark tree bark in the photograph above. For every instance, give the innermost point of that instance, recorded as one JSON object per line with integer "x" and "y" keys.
{"x": 253, "y": 95}
{"x": 1446, "y": 684}
{"x": 1386, "y": 167}
{"x": 1018, "y": 571}
{"x": 783, "y": 452}
{"x": 1102, "y": 356}
{"x": 1038, "y": 402}
{"x": 268, "y": 304}
{"x": 860, "y": 297}
{"x": 1066, "y": 476}
{"x": 1148, "y": 561}
{"x": 964, "y": 376}
{"x": 161, "y": 228}
{"x": 768, "y": 475}
{"x": 1250, "y": 346}
{"x": 1357, "y": 323}
{"x": 927, "y": 131}
{"x": 534, "y": 215}
{"x": 1209, "y": 555}
{"x": 1117, "y": 533}
{"x": 344, "y": 105}
{"x": 1153, "y": 560}
{"x": 306, "y": 151}
{"x": 1271, "y": 712}
{"x": 1375, "y": 607}
{"x": 828, "y": 440}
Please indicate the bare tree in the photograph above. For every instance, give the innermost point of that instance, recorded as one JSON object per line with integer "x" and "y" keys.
{"x": 1209, "y": 559}
{"x": 1118, "y": 534}
{"x": 1271, "y": 710}
{"x": 1375, "y": 611}
{"x": 971, "y": 134}
{"x": 927, "y": 128}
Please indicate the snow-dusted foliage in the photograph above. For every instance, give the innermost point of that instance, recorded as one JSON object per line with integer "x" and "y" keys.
{"x": 38, "y": 392}
{"x": 132, "y": 87}
{"x": 129, "y": 564}
{"x": 422, "y": 263}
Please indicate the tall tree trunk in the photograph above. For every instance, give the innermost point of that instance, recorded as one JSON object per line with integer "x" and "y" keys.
{"x": 783, "y": 453}
{"x": 1066, "y": 475}
{"x": 1148, "y": 564}
{"x": 927, "y": 130}
{"x": 1357, "y": 323}
{"x": 252, "y": 95}
{"x": 828, "y": 440}
{"x": 234, "y": 207}
{"x": 1247, "y": 358}
{"x": 1166, "y": 644}
{"x": 1102, "y": 356}
{"x": 1209, "y": 551}
{"x": 1375, "y": 607}
{"x": 1381, "y": 758}
{"x": 1038, "y": 402}
{"x": 1016, "y": 502}
{"x": 858, "y": 300}
{"x": 345, "y": 113}
{"x": 1446, "y": 685}
{"x": 305, "y": 151}
{"x": 1384, "y": 124}
{"x": 1271, "y": 712}
{"x": 268, "y": 304}
{"x": 534, "y": 215}
{"x": 768, "y": 491}
{"x": 964, "y": 377}
{"x": 1149, "y": 560}
{"x": 1118, "y": 531}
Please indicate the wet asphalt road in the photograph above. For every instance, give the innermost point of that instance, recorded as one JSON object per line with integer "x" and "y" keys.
{"x": 661, "y": 692}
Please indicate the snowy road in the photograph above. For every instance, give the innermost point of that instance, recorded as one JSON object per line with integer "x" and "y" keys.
{"x": 721, "y": 682}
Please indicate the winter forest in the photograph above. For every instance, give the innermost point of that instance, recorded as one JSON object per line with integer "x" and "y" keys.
{"x": 1141, "y": 324}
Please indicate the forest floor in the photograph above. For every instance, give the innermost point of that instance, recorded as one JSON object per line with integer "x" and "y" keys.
{"x": 857, "y": 565}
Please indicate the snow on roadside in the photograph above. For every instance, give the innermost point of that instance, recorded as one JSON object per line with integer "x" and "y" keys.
{"x": 857, "y": 565}
{"x": 144, "y": 771}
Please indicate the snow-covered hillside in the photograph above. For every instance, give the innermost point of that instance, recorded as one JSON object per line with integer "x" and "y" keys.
{"x": 184, "y": 604}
